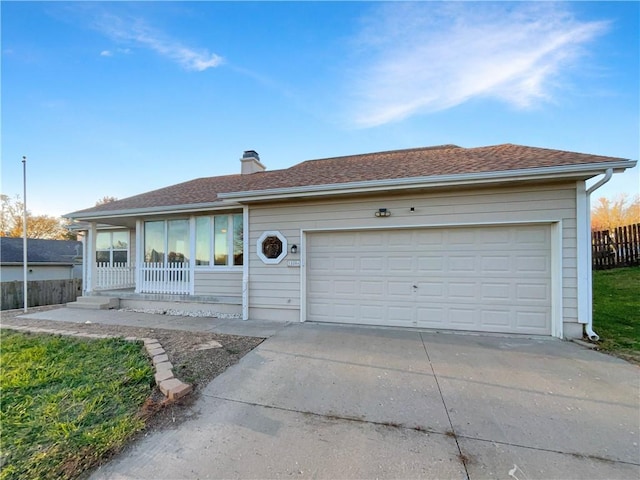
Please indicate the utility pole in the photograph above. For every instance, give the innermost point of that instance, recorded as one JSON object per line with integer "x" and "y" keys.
{"x": 24, "y": 232}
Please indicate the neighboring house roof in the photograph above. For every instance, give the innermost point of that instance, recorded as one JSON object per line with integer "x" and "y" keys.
{"x": 40, "y": 251}
{"x": 446, "y": 161}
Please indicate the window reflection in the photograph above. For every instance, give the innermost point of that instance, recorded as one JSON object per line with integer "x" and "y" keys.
{"x": 203, "y": 241}
{"x": 220, "y": 244}
{"x": 154, "y": 241}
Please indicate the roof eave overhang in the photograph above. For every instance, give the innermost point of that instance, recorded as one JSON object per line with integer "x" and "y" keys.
{"x": 150, "y": 211}
{"x": 571, "y": 172}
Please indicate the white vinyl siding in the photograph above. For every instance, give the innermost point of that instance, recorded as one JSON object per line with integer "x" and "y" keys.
{"x": 223, "y": 284}
{"x": 278, "y": 286}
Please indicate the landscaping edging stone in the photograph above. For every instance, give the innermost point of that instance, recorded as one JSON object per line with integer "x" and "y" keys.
{"x": 169, "y": 385}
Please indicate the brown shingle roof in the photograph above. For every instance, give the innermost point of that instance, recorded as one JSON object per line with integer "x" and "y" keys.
{"x": 396, "y": 164}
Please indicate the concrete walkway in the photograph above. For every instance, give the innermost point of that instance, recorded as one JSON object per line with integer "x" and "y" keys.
{"x": 262, "y": 329}
{"x": 323, "y": 401}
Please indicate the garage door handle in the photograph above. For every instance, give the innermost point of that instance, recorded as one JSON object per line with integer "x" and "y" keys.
{"x": 415, "y": 286}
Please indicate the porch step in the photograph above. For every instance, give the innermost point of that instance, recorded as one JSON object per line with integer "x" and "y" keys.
{"x": 95, "y": 303}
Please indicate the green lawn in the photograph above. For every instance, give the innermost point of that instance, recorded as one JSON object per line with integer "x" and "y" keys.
{"x": 67, "y": 402}
{"x": 616, "y": 310}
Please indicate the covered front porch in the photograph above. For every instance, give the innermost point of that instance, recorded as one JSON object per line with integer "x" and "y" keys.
{"x": 186, "y": 259}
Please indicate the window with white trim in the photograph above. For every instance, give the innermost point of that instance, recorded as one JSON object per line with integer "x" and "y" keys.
{"x": 112, "y": 247}
{"x": 166, "y": 241}
{"x": 219, "y": 241}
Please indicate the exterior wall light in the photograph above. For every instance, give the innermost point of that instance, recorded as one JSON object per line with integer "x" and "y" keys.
{"x": 383, "y": 212}
{"x": 294, "y": 249}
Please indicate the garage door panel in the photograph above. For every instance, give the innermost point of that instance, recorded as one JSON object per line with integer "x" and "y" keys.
{"x": 461, "y": 264}
{"x": 533, "y": 320}
{"x": 496, "y": 291}
{"x": 430, "y": 290}
{"x": 372, "y": 287}
{"x": 345, "y": 264}
{"x": 431, "y": 264}
{"x": 321, "y": 311}
{"x": 346, "y": 287}
{"x": 495, "y": 238}
{"x": 530, "y": 292}
{"x": 471, "y": 278}
{"x": 531, "y": 264}
{"x": 320, "y": 265}
{"x": 373, "y": 314}
{"x": 372, "y": 264}
{"x": 400, "y": 264}
{"x": 431, "y": 317}
{"x": 321, "y": 287}
{"x": 401, "y": 238}
{"x": 399, "y": 290}
{"x": 345, "y": 312}
{"x": 400, "y": 314}
{"x": 531, "y": 237}
{"x": 498, "y": 319}
{"x": 463, "y": 318}
{"x": 495, "y": 264}
{"x": 346, "y": 240}
{"x": 465, "y": 291}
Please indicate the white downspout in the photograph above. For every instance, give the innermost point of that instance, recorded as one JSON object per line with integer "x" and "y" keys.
{"x": 588, "y": 328}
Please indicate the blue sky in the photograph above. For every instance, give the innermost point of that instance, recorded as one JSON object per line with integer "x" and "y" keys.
{"x": 120, "y": 98}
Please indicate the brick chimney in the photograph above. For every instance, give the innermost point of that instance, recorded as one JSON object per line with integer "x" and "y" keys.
{"x": 251, "y": 162}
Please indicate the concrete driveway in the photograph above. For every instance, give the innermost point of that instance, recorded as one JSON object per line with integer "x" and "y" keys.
{"x": 322, "y": 401}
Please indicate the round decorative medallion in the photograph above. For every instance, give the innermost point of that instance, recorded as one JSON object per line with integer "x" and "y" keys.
{"x": 272, "y": 247}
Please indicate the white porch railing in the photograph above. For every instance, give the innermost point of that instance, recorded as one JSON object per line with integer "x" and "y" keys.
{"x": 117, "y": 275}
{"x": 174, "y": 278}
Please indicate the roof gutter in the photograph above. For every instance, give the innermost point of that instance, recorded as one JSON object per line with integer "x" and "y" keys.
{"x": 161, "y": 210}
{"x": 565, "y": 171}
{"x": 588, "y": 327}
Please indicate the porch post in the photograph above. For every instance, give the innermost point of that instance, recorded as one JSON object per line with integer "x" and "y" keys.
{"x": 245, "y": 262}
{"x": 139, "y": 254}
{"x": 91, "y": 257}
{"x": 83, "y": 239}
{"x": 192, "y": 250}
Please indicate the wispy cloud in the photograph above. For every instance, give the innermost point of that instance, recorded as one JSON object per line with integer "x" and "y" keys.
{"x": 136, "y": 32}
{"x": 424, "y": 57}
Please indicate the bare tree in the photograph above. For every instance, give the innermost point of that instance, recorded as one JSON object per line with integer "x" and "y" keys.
{"x": 105, "y": 199}
{"x": 608, "y": 214}
{"x": 38, "y": 226}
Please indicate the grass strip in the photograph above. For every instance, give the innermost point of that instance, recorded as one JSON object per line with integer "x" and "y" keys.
{"x": 616, "y": 310}
{"x": 67, "y": 402}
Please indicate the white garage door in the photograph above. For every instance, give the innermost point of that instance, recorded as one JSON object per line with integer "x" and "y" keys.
{"x": 490, "y": 279}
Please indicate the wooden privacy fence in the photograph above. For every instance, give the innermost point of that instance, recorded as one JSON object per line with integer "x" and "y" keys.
{"x": 40, "y": 292}
{"x": 615, "y": 248}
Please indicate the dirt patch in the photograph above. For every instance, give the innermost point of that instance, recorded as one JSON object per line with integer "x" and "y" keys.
{"x": 193, "y": 360}
{"x": 631, "y": 357}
